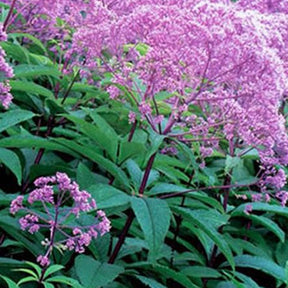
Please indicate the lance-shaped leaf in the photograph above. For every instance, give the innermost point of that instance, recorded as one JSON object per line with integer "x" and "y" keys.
{"x": 153, "y": 216}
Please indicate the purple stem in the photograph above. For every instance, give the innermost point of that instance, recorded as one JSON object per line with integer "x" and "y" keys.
{"x": 131, "y": 215}
{"x": 52, "y": 239}
{"x": 5, "y": 24}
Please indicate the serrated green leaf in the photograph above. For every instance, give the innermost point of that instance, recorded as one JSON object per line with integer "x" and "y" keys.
{"x": 98, "y": 274}
{"x": 201, "y": 272}
{"x": 17, "y": 52}
{"x": 153, "y": 216}
{"x": 199, "y": 218}
{"x": 108, "y": 197}
{"x": 11, "y": 160}
{"x": 137, "y": 174}
{"x": 149, "y": 282}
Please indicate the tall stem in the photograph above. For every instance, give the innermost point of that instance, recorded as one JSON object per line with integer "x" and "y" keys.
{"x": 52, "y": 239}
{"x": 6, "y": 22}
{"x": 131, "y": 215}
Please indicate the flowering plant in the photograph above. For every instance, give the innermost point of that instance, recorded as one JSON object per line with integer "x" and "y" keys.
{"x": 172, "y": 114}
{"x": 53, "y": 193}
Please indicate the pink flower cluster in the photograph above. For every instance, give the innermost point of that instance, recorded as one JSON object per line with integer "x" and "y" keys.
{"x": 227, "y": 60}
{"x": 60, "y": 199}
{"x": 6, "y": 72}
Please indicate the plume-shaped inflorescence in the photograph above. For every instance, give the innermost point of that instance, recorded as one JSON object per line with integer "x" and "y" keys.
{"x": 228, "y": 59}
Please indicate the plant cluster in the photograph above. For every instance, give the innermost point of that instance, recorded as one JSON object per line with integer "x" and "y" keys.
{"x": 171, "y": 114}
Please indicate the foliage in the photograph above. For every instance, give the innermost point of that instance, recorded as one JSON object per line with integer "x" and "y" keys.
{"x": 172, "y": 118}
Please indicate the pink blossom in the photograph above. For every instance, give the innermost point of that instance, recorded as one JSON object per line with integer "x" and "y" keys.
{"x": 283, "y": 197}
{"x": 16, "y": 204}
{"x": 44, "y": 194}
{"x": 77, "y": 237}
{"x": 29, "y": 221}
{"x": 63, "y": 181}
{"x": 131, "y": 117}
{"x": 43, "y": 260}
{"x": 248, "y": 209}
{"x": 43, "y": 181}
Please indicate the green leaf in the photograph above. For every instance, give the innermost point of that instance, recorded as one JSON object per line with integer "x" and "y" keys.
{"x": 52, "y": 269}
{"x": 30, "y": 87}
{"x": 165, "y": 188}
{"x": 28, "y": 70}
{"x": 48, "y": 285}
{"x": 30, "y": 37}
{"x": 260, "y": 263}
{"x": 269, "y": 225}
{"x": 65, "y": 280}
{"x": 28, "y": 271}
{"x": 17, "y": 52}
{"x": 201, "y": 272}
{"x": 20, "y": 141}
{"x": 11, "y": 160}
{"x": 91, "y": 154}
{"x": 13, "y": 117}
{"x": 106, "y": 138}
{"x": 156, "y": 140}
{"x": 55, "y": 107}
{"x": 175, "y": 275}
{"x": 136, "y": 174}
{"x": 10, "y": 263}
{"x": 129, "y": 150}
{"x": 246, "y": 280}
{"x": 202, "y": 219}
{"x": 263, "y": 207}
{"x": 108, "y": 197}
{"x": 149, "y": 282}
{"x": 27, "y": 279}
{"x": 153, "y": 216}
{"x": 36, "y": 268}
{"x": 10, "y": 283}
{"x": 231, "y": 162}
{"x": 85, "y": 178}
{"x": 98, "y": 274}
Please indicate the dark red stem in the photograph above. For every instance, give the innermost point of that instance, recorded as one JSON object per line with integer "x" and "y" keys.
{"x": 131, "y": 215}
{"x": 5, "y": 24}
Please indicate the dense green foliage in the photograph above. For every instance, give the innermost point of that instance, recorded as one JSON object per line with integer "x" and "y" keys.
{"x": 181, "y": 224}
